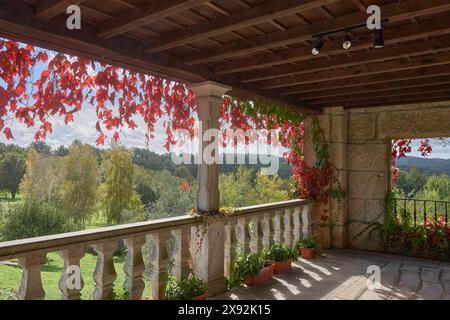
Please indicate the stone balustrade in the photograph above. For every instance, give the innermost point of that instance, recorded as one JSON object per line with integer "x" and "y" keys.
{"x": 173, "y": 241}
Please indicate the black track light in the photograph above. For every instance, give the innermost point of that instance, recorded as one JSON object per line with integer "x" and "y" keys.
{"x": 378, "y": 41}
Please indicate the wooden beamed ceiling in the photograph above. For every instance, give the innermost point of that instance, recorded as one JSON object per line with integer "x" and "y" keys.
{"x": 261, "y": 48}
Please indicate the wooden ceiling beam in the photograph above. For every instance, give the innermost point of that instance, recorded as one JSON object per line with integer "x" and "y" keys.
{"x": 48, "y": 9}
{"x": 267, "y": 11}
{"x": 433, "y": 27}
{"x": 384, "y": 78}
{"x": 372, "y": 69}
{"x": 393, "y": 12}
{"x": 378, "y": 95}
{"x": 412, "y": 99}
{"x": 398, "y": 52}
{"x": 402, "y": 84}
{"x": 138, "y": 17}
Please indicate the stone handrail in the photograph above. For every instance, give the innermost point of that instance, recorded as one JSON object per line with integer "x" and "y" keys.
{"x": 248, "y": 228}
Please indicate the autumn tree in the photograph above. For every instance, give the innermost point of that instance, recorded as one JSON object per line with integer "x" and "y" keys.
{"x": 44, "y": 178}
{"x": 80, "y": 183}
{"x": 12, "y": 169}
{"x": 116, "y": 194}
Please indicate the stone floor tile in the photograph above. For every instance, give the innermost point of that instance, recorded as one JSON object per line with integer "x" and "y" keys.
{"x": 430, "y": 274}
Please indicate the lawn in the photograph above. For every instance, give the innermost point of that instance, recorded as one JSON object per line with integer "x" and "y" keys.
{"x": 10, "y": 276}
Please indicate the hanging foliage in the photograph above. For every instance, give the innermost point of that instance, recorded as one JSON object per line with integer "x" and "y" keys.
{"x": 66, "y": 83}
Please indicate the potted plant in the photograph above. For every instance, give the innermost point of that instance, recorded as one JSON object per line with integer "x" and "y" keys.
{"x": 251, "y": 269}
{"x": 308, "y": 247}
{"x": 191, "y": 288}
{"x": 281, "y": 257}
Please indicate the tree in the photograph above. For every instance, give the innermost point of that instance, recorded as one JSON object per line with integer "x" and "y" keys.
{"x": 41, "y": 147}
{"x": 116, "y": 192}
{"x": 143, "y": 185}
{"x": 436, "y": 188}
{"x": 62, "y": 151}
{"x": 270, "y": 189}
{"x": 12, "y": 170}
{"x": 411, "y": 181}
{"x": 236, "y": 189}
{"x": 173, "y": 198}
{"x": 44, "y": 178}
{"x": 80, "y": 183}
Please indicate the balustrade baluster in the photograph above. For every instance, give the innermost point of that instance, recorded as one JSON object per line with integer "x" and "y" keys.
{"x": 71, "y": 282}
{"x": 278, "y": 227}
{"x": 287, "y": 223}
{"x": 104, "y": 274}
{"x": 244, "y": 235}
{"x": 306, "y": 222}
{"x": 257, "y": 234}
{"x": 297, "y": 231}
{"x": 230, "y": 246}
{"x": 160, "y": 263}
{"x": 134, "y": 267}
{"x": 268, "y": 230}
{"x": 31, "y": 286}
{"x": 181, "y": 254}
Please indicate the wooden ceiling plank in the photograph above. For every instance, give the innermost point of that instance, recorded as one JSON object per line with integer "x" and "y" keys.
{"x": 404, "y": 51}
{"x": 136, "y": 18}
{"x": 48, "y": 9}
{"x": 393, "y": 12}
{"x": 267, "y": 11}
{"x": 379, "y": 95}
{"x": 403, "y": 84}
{"x": 386, "y": 78}
{"x": 391, "y": 101}
{"x": 433, "y": 27}
{"x": 374, "y": 68}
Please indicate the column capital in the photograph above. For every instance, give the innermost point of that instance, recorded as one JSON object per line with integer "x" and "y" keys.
{"x": 209, "y": 89}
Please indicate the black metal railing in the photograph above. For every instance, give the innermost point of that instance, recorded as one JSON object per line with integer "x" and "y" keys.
{"x": 421, "y": 211}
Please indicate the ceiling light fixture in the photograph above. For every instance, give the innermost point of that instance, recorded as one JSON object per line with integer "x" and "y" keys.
{"x": 316, "y": 50}
{"x": 378, "y": 41}
{"x": 347, "y": 44}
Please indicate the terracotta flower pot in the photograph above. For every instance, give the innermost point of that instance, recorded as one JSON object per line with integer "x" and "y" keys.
{"x": 203, "y": 296}
{"x": 308, "y": 253}
{"x": 281, "y": 267}
{"x": 263, "y": 275}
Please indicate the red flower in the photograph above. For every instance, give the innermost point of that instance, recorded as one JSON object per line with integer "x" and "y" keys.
{"x": 184, "y": 185}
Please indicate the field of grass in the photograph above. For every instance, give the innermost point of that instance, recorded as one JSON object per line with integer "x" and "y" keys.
{"x": 10, "y": 275}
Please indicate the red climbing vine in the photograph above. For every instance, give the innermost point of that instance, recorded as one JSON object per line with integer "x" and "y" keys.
{"x": 401, "y": 148}
{"x": 36, "y": 86}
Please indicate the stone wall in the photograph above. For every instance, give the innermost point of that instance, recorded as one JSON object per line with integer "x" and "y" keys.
{"x": 360, "y": 141}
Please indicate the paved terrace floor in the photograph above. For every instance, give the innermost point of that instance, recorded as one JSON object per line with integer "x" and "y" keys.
{"x": 341, "y": 275}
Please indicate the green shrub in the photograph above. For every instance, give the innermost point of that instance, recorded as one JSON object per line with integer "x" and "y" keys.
{"x": 281, "y": 253}
{"x": 31, "y": 219}
{"x": 246, "y": 264}
{"x": 185, "y": 289}
{"x": 312, "y": 243}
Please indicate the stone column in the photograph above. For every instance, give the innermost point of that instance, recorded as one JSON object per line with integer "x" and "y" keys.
{"x": 209, "y": 239}
{"x": 330, "y": 220}
{"x": 338, "y": 157}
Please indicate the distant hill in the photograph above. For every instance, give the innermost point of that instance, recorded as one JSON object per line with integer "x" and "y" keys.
{"x": 430, "y": 166}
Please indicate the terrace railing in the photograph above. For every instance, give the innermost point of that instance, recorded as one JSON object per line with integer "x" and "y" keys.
{"x": 422, "y": 210}
{"x": 250, "y": 228}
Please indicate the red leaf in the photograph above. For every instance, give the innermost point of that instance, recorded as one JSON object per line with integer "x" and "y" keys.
{"x": 8, "y": 133}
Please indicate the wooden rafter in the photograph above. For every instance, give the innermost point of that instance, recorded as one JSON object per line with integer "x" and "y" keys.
{"x": 267, "y": 11}
{"x": 372, "y": 69}
{"x": 48, "y": 9}
{"x": 384, "y": 78}
{"x": 430, "y": 28}
{"x": 393, "y": 12}
{"x": 395, "y": 52}
{"x": 139, "y": 17}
